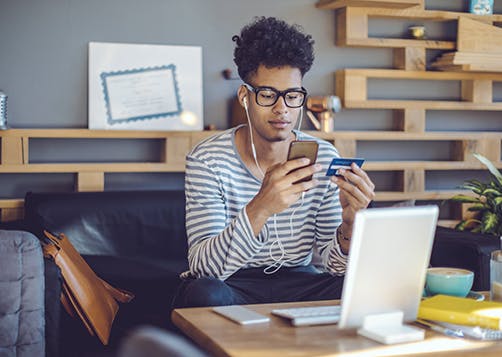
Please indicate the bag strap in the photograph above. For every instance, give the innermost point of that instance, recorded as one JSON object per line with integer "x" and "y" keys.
{"x": 50, "y": 251}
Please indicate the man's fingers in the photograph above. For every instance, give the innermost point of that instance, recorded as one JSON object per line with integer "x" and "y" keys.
{"x": 362, "y": 182}
{"x": 303, "y": 173}
{"x": 358, "y": 195}
{"x": 360, "y": 172}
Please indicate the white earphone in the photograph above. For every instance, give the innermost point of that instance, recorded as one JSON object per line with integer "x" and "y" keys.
{"x": 285, "y": 257}
{"x": 253, "y": 150}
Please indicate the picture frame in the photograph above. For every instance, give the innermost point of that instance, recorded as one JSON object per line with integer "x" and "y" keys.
{"x": 145, "y": 87}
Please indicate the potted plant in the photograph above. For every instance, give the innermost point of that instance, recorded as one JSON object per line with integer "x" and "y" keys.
{"x": 487, "y": 202}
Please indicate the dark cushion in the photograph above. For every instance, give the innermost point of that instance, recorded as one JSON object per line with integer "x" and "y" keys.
{"x": 465, "y": 250}
{"x": 148, "y": 224}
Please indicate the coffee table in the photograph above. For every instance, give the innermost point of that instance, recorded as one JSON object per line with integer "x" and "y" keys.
{"x": 222, "y": 337}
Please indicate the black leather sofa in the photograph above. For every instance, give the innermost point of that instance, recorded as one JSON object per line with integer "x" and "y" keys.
{"x": 136, "y": 240}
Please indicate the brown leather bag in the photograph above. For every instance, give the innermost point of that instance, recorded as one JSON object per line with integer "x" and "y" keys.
{"x": 84, "y": 294}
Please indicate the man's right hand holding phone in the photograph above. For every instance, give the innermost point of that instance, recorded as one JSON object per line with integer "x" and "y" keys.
{"x": 280, "y": 189}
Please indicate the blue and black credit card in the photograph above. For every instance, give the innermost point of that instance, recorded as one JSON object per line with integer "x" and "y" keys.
{"x": 342, "y": 163}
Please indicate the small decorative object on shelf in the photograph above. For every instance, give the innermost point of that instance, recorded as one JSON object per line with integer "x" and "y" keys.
{"x": 3, "y": 111}
{"x": 417, "y": 32}
{"x": 481, "y": 7}
{"x": 325, "y": 107}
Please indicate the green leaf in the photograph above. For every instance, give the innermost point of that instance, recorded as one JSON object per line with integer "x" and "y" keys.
{"x": 490, "y": 222}
{"x": 478, "y": 189}
{"x": 465, "y": 198}
{"x": 491, "y": 191}
{"x": 477, "y": 229}
{"x": 495, "y": 185}
{"x": 460, "y": 226}
{"x": 475, "y": 183}
{"x": 467, "y": 224}
{"x": 493, "y": 170}
{"x": 497, "y": 201}
{"x": 478, "y": 207}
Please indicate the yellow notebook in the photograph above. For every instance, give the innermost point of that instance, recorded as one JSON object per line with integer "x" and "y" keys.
{"x": 462, "y": 311}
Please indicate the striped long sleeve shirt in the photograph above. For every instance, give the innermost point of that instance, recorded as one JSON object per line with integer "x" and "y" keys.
{"x": 221, "y": 241}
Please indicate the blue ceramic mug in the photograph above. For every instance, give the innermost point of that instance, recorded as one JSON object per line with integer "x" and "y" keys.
{"x": 449, "y": 281}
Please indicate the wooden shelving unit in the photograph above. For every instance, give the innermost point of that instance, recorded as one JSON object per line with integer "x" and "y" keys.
{"x": 352, "y": 25}
{"x": 352, "y": 30}
{"x": 15, "y": 158}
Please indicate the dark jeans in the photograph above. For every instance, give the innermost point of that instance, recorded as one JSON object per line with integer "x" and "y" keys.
{"x": 253, "y": 286}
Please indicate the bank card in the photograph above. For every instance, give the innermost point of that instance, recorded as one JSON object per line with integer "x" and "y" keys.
{"x": 342, "y": 163}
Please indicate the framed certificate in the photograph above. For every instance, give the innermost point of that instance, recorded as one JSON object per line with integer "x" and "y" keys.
{"x": 145, "y": 87}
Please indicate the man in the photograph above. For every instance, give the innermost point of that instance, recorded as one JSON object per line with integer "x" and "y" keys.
{"x": 252, "y": 229}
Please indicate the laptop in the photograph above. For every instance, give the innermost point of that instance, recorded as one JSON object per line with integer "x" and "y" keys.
{"x": 388, "y": 260}
{"x": 384, "y": 282}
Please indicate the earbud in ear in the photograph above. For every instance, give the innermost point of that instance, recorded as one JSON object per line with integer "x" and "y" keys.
{"x": 245, "y": 102}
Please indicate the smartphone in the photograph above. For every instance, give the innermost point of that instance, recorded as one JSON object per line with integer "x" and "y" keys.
{"x": 306, "y": 148}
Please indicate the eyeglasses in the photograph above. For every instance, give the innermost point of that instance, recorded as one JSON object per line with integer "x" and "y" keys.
{"x": 268, "y": 96}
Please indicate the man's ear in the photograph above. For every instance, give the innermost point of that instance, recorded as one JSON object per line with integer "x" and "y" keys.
{"x": 242, "y": 95}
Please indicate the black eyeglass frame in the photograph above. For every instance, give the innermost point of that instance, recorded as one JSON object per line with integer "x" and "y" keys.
{"x": 278, "y": 93}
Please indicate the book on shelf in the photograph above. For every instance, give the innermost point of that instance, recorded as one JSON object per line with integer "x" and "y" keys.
{"x": 462, "y": 311}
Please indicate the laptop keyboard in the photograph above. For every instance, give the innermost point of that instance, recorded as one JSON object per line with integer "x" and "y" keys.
{"x": 314, "y": 315}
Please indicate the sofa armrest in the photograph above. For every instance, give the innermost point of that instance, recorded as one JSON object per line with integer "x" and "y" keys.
{"x": 22, "y": 320}
{"x": 465, "y": 250}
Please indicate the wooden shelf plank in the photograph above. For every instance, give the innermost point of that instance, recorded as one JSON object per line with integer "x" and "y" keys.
{"x": 396, "y": 43}
{"x": 418, "y": 14}
{"x": 154, "y": 167}
{"x": 419, "y": 104}
{"x": 419, "y": 75}
{"x": 12, "y": 203}
{"x": 200, "y": 135}
{"x": 396, "y": 4}
{"x": 421, "y": 196}
{"x": 405, "y": 136}
{"x": 105, "y": 134}
{"x": 425, "y": 165}
{"x": 93, "y": 167}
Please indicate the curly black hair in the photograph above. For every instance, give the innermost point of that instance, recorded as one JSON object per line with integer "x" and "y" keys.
{"x": 273, "y": 43}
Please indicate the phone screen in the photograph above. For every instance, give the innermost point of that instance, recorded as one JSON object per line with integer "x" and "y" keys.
{"x": 308, "y": 149}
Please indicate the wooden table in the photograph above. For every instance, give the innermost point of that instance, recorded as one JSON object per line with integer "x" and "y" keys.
{"x": 222, "y": 337}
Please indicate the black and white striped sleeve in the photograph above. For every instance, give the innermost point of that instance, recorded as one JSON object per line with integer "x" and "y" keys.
{"x": 217, "y": 246}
